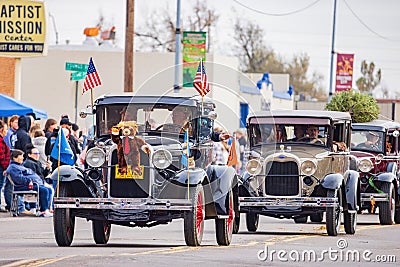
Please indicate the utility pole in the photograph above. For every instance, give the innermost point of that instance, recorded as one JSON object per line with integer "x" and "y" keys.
{"x": 129, "y": 30}
{"x": 177, "y": 45}
{"x": 332, "y": 53}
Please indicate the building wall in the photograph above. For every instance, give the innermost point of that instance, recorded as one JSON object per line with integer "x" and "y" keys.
{"x": 7, "y": 77}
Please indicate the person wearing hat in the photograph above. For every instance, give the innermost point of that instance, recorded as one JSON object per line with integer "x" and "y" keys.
{"x": 371, "y": 142}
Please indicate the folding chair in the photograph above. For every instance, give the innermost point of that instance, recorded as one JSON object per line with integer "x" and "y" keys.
{"x": 29, "y": 196}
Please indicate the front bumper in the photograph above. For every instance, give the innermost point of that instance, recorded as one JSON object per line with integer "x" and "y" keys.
{"x": 312, "y": 202}
{"x": 367, "y": 197}
{"x": 122, "y": 203}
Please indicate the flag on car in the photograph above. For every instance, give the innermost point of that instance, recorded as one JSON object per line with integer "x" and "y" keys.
{"x": 232, "y": 158}
{"x": 92, "y": 78}
{"x": 186, "y": 154}
{"x": 200, "y": 82}
{"x": 62, "y": 150}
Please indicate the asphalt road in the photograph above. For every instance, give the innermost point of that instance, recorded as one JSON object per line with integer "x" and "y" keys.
{"x": 29, "y": 241}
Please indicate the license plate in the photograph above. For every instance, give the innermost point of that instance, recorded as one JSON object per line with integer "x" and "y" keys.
{"x": 128, "y": 174}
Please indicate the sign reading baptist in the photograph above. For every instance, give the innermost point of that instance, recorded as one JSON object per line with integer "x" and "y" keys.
{"x": 22, "y": 28}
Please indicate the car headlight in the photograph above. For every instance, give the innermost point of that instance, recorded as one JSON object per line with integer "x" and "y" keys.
{"x": 95, "y": 157}
{"x": 162, "y": 159}
{"x": 365, "y": 165}
{"x": 253, "y": 167}
{"x": 308, "y": 167}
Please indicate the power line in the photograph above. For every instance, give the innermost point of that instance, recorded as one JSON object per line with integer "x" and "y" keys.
{"x": 277, "y": 14}
{"x": 364, "y": 24}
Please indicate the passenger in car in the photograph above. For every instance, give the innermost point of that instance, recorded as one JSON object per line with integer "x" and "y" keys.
{"x": 371, "y": 143}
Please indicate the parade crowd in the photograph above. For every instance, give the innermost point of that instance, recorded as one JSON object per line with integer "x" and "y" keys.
{"x": 26, "y": 162}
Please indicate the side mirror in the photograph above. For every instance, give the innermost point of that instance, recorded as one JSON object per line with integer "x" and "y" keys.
{"x": 86, "y": 111}
{"x": 396, "y": 133}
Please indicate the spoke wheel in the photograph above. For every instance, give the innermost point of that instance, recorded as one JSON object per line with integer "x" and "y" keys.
{"x": 63, "y": 221}
{"x": 333, "y": 214}
{"x": 224, "y": 227}
{"x": 252, "y": 220}
{"x": 101, "y": 231}
{"x": 387, "y": 208}
{"x": 194, "y": 219}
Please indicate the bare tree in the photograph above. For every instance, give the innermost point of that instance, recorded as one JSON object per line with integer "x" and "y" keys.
{"x": 203, "y": 20}
{"x": 158, "y": 34}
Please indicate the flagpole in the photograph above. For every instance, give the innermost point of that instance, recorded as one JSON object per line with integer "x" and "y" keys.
{"x": 92, "y": 104}
{"x": 58, "y": 161}
{"x": 187, "y": 153}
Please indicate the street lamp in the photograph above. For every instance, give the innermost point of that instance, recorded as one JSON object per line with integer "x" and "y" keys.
{"x": 54, "y": 26}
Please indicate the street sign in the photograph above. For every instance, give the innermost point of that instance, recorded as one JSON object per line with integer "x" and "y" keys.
{"x": 78, "y": 75}
{"x": 76, "y": 67}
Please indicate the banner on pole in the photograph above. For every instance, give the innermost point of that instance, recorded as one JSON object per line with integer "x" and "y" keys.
{"x": 194, "y": 49}
{"x": 344, "y": 72}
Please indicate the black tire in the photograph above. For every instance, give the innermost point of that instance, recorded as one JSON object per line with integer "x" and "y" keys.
{"x": 236, "y": 225}
{"x": 333, "y": 215}
{"x": 63, "y": 221}
{"x": 224, "y": 227}
{"x": 101, "y": 231}
{"x": 317, "y": 217}
{"x": 397, "y": 216}
{"x": 194, "y": 219}
{"x": 387, "y": 208}
{"x": 252, "y": 220}
{"x": 301, "y": 219}
{"x": 350, "y": 222}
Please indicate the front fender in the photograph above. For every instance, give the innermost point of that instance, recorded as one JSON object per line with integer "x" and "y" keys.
{"x": 192, "y": 177}
{"x": 385, "y": 177}
{"x": 332, "y": 181}
{"x": 222, "y": 180}
{"x": 351, "y": 189}
{"x": 69, "y": 174}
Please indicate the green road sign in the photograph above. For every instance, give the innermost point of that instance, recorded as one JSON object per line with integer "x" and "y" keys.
{"x": 78, "y": 75}
{"x": 76, "y": 66}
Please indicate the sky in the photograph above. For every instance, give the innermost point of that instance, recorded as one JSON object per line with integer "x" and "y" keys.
{"x": 369, "y": 29}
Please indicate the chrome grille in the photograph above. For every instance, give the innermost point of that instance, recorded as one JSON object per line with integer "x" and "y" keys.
{"x": 282, "y": 178}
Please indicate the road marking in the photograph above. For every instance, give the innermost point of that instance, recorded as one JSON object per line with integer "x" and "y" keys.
{"x": 269, "y": 242}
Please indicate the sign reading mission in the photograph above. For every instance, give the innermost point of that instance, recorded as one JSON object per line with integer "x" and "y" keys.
{"x": 22, "y": 28}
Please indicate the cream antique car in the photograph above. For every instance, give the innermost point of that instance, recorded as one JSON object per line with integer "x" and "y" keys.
{"x": 298, "y": 167}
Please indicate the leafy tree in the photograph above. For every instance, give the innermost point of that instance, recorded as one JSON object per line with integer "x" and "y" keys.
{"x": 158, "y": 34}
{"x": 362, "y": 107}
{"x": 369, "y": 80}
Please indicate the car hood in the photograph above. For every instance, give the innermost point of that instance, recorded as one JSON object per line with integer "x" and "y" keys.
{"x": 299, "y": 151}
{"x": 362, "y": 154}
{"x": 160, "y": 141}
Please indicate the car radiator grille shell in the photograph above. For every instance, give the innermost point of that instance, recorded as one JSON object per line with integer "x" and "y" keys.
{"x": 282, "y": 178}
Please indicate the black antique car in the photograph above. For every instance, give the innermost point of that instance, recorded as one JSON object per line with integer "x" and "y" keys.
{"x": 138, "y": 173}
{"x": 298, "y": 166}
{"x": 376, "y": 146}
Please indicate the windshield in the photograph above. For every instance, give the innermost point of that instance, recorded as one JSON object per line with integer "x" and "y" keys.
{"x": 261, "y": 134}
{"x": 364, "y": 140}
{"x": 150, "y": 117}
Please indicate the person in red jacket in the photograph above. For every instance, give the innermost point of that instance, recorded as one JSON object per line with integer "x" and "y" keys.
{"x": 4, "y": 158}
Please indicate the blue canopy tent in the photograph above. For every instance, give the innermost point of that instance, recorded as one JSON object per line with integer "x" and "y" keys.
{"x": 9, "y": 106}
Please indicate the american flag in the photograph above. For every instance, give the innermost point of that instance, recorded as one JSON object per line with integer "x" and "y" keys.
{"x": 92, "y": 78}
{"x": 200, "y": 82}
